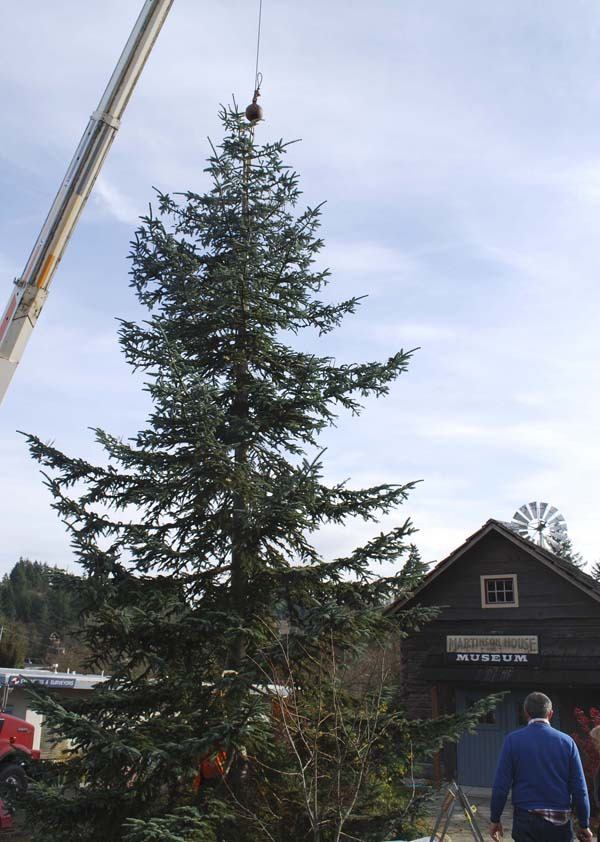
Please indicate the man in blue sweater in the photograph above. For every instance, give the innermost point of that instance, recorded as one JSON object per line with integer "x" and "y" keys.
{"x": 543, "y": 767}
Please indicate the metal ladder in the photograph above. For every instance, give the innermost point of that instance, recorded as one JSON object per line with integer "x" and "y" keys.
{"x": 454, "y": 795}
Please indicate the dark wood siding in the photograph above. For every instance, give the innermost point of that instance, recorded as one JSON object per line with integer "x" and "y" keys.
{"x": 543, "y": 594}
{"x": 565, "y": 619}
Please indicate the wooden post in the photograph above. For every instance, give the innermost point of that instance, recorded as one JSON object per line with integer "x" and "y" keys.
{"x": 435, "y": 712}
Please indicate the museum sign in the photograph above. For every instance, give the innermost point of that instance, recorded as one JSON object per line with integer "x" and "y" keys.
{"x": 492, "y": 649}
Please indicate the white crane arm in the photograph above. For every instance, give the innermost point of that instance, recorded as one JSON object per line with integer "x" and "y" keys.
{"x": 31, "y": 289}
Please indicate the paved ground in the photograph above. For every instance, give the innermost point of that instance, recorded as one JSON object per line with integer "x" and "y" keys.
{"x": 458, "y": 831}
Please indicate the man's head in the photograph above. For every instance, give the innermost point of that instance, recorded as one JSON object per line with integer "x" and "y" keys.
{"x": 595, "y": 735}
{"x": 538, "y": 706}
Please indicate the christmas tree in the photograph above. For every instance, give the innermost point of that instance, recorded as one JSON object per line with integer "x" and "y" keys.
{"x": 195, "y": 536}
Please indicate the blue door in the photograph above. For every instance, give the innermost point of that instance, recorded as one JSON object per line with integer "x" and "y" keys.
{"x": 478, "y": 753}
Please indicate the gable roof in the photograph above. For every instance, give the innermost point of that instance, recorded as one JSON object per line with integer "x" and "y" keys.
{"x": 562, "y": 568}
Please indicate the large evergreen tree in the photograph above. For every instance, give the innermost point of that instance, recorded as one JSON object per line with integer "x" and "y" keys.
{"x": 195, "y": 535}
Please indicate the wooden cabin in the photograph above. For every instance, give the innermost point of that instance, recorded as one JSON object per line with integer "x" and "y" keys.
{"x": 513, "y": 617}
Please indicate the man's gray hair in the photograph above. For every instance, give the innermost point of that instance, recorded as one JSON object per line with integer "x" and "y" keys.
{"x": 538, "y": 706}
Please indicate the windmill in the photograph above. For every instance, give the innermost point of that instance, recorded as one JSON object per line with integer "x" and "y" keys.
{"x": 541, "y": 524}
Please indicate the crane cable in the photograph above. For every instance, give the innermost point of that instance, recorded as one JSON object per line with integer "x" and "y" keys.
{"x": 257, "y": 75}
{"x": 254, "y": 112}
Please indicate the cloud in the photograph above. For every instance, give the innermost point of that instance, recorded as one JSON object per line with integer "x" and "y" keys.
{"x": 456, "y": 145}
{"x": 116, "y": 202}
{"x": 365, "y": 258}
{"x": 533, "y": 435}
{"x": 413, "y": 333}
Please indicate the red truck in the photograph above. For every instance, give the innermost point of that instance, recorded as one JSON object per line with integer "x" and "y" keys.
{"x": 16, "y": 749}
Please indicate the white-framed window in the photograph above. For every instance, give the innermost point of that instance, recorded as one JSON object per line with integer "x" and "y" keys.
{"x": 499, "y": 591}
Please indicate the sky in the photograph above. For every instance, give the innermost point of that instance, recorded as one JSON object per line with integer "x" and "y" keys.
{"x": 457, "y": 147}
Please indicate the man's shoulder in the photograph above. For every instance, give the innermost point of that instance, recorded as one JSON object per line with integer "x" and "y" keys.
{"x": 515, "y": 736}
{"x": 543, "y": 732}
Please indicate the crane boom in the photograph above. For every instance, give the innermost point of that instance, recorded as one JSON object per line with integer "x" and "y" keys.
{"x": 31, "y": 289}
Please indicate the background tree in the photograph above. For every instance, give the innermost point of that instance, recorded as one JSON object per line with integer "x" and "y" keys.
{"x": 197, "y": 530}
{"x": 566, "y": 551}
{"x": 413, "y": 571}
{"x": 13, "y": 644}
{"x": 36, "y": 602}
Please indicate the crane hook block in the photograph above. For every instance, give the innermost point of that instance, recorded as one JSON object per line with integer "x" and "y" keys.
{"x": 254, "y": 112}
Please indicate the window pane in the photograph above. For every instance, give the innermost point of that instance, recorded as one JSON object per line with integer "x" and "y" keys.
{"x": 499, "y": 591}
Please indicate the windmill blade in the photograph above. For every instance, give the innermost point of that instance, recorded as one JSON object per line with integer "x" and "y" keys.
{"x": 527, "y": 512}
{"x": 557, "y": 522}
{"x": 521, "y": 528}
{"x": 541, "y": 524}
{"x": 524, "y": 533}
{"x": 533, "y": 507}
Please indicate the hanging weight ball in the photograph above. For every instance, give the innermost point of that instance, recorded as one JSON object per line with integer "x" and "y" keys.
{"x": 254, "y": 112}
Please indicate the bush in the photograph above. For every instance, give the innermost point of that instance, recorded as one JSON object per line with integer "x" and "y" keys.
{"x": 589, "y": 755}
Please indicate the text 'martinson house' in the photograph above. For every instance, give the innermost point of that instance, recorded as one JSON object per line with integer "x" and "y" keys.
{"x": 513, "y": 617}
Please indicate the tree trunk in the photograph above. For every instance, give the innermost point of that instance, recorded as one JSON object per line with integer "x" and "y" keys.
{"x": 239, "y": 562}
{"x": 239, "y": 412}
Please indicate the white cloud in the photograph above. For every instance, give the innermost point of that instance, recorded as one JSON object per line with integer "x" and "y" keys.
{"x": 536, "y": 436}
{"x": 456, "y": 146}
{"x": 413, "y": 333}
{"x": 115, "y": 202}
{"x": 365, "y": 258}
